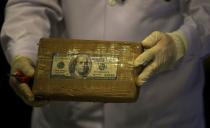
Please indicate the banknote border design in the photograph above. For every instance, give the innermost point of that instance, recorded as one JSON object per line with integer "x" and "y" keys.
{"x": 72, "y": 63}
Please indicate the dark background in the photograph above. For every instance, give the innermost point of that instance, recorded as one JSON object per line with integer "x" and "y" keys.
{"x": 207, "y": 91}
{"x": 13, "y": 109}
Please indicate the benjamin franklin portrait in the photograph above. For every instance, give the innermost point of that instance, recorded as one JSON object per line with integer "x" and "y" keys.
{"x": 80, "y": 66}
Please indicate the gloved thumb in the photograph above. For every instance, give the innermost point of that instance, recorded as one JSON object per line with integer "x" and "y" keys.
{"x": 151, "y": 40}
{"x": 24, "y": 65}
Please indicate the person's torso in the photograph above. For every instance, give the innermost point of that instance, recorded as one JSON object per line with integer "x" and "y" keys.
{"x": 131, "y": 20}
{"x": 172, "y": 99}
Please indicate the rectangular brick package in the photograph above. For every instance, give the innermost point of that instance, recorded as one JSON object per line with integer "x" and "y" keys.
{"x": 86, "y": 70}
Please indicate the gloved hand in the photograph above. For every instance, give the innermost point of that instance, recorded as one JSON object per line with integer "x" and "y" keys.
{"x": 23, "y": 65}
{"x": 161, "y": 52}
{"x": 112, "y": 2}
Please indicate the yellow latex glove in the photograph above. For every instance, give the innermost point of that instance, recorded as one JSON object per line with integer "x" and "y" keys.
{"x": 23, "y": 65}
{"x": 112, "y": 2}
{"x": 162, "y": 51}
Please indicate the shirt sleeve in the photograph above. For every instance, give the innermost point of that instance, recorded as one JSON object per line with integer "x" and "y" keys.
{"x": 196, "y": 27}
{"x": 26, "y": 21}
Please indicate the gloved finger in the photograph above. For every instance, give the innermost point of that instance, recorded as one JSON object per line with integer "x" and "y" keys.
{"x": 146, "y": 74}
{"x": 22, "y": 90}
{"x": 144, "y": 59}
{"x": 14, "y": 84}
{"x": 26, "y": 94}
{"x": 151, "y": 40}
{"x": 13, "y": 81}
{"x": 26, "y": 68}
{"x": 130, "y": 64}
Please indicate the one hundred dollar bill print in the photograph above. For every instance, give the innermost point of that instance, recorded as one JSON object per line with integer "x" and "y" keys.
{"x": 84, "y": 66}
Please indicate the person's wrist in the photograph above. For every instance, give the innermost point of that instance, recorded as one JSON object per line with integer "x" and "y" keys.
{"x": 20, "y": 57}
{"x": 180, "y": 42}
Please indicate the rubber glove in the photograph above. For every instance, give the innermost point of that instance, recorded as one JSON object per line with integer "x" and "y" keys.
{"x": 112, "y": 2}
{"x": 161, "y": 52}
{"x": 25, "y": 66}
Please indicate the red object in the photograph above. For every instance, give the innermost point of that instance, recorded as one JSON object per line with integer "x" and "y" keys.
{"x": 21, "y": 77}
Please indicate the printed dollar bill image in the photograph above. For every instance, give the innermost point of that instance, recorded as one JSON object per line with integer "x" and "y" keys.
{"x": 84, "y": 66}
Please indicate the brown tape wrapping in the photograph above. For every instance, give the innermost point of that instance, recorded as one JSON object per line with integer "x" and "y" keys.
{"x": 86, "y": 70}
